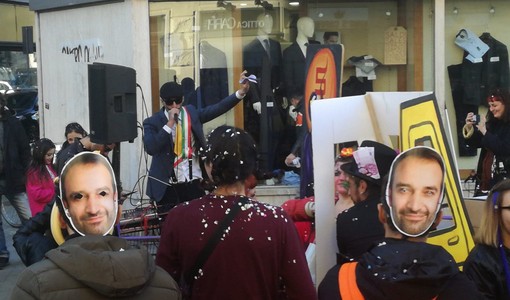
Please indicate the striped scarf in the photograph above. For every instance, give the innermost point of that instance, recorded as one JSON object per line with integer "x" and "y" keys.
{"x": 182, "y": 145}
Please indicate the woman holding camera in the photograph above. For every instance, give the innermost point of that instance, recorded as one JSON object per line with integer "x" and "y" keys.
{"x": 492, "y": 134}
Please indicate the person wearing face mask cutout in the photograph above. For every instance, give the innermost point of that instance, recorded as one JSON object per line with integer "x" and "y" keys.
{"x": 90, "y": 263}
{"x": 402, "y": 265}
{"x": 172, "y": 137}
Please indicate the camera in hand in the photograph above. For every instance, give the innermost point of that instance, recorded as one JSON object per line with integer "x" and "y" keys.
{"x": 476, "y": 119}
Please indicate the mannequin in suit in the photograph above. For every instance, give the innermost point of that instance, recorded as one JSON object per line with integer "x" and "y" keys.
{"x": 213, "y": 75}
{"x": 294, "y": 70}
{"x": 262, "y": 57}
{"x": 294, "y": 57}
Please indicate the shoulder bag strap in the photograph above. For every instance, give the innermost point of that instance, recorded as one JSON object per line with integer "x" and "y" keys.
{"x": 347, "y": 282}
{"x": 214, "y": 240}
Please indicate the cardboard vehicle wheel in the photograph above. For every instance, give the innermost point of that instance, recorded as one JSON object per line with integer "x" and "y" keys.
{"x": 9, "y": 213}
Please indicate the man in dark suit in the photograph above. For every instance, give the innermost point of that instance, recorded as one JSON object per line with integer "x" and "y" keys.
{"x": 172, "y": 137}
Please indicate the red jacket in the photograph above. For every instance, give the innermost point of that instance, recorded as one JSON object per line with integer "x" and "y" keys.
{"x": 305, "y": 224}
{"x": 40, "y": 190}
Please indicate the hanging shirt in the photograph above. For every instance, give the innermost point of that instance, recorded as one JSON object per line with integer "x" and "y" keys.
{"x": 468, "y": 41}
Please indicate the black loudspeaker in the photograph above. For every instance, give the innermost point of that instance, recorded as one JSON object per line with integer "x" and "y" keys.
{"x": 112, "y": 103}
{"x": 27, "y": 39}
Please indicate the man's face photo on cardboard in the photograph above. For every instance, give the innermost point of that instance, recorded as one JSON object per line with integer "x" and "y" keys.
{"x": 89, "y": 196}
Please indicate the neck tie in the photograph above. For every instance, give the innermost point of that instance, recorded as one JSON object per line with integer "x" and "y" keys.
{"x": 268, "y": 49}
{"x": 178, "y": 137}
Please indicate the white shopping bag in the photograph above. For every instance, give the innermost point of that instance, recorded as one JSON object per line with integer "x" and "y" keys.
{"x": 310, "y": 258}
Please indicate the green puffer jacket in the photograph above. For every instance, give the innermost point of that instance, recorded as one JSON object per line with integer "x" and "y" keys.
{"x": 96, "y": 267}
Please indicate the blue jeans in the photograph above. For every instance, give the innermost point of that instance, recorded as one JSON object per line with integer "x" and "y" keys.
{"x": 20, "y": 202}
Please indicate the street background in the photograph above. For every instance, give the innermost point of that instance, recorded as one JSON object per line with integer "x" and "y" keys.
{"x": 10, "y": 273}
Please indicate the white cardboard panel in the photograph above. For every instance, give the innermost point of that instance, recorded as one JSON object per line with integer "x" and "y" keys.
{"x": 340, "y": 120}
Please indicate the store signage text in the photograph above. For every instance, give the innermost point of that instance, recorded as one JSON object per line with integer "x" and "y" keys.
{"x": 231, "y": 23}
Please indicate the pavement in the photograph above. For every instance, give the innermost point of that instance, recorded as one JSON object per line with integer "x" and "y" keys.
{"x": 9, "y": 274}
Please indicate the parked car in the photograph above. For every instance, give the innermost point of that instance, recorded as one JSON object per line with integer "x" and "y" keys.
{"x": 4, "y": 87}
{"x": 24, "y": 103}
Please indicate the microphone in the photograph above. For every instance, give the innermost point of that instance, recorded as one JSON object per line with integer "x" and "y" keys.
{"x": 176, "y": 118}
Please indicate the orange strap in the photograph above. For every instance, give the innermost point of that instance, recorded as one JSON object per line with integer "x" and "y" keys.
{"x": 299, "y": 120}
{"x": 347, "y": 277}
{"x": 347, "y": 282}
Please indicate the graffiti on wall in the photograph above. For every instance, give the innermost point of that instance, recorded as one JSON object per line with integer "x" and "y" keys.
{"x": 83, "y": 51}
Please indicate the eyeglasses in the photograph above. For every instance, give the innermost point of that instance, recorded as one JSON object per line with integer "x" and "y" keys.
{"x": 170, "y": 101}
{"x": 504, "y": 207}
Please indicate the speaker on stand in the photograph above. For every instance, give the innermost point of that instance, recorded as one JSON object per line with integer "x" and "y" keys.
{"x": 112, "y": 107}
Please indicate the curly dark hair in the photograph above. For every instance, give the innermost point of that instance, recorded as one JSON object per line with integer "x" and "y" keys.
{"x": 232, "y": 154}
{"x": 502, "y": 95}
{"x": 75, "y": 127}
{"x": 39, "y": 150}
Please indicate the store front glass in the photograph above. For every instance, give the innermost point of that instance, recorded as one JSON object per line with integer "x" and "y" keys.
{"x": 476, "y": 60}
{"x": 205, "y": 45}
{"x": 18, "y": 69}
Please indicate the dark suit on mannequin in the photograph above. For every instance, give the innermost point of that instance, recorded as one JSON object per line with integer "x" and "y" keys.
{"x": 213, "y": 75}
{"x": 294, "y": 57}
{"x": 294, "y": 67}
{"x": 478, "y": 79}
{"x": 257, "y": 62}
{"x": 253, "y": 54}
{"x": 252, "y": 59}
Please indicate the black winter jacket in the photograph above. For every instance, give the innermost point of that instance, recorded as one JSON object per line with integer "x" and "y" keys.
{"x": 34, "y": 238}
{"x": 478, "y": 79}
{"x": 96, "y": 267}
{"x": 400, "y": 269}
{"x": 16, "y": 153}
{"x": 496, "y": 139}
{"x": 484, "y": 267}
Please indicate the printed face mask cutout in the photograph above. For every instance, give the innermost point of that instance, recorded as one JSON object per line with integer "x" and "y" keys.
{"x": 90, "y": 199}
{"x": 415, "y": 190}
